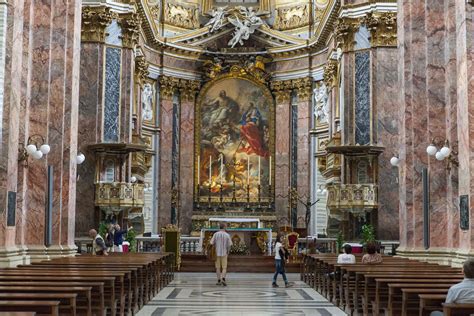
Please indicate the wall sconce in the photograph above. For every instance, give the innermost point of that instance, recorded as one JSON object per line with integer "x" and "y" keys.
{"x": 31, "y": 149}
{"x": 395, "y": 161}
{"x": 80, "y": 158}
{"x": 323, "y": 190}
{"x": 445, "y": 152}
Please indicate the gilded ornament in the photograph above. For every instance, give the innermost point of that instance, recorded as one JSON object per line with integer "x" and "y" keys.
{"x": 280, "y": 91}
{"x": 330, "y": 74}
{"x": 383, "y": 28}
{"x": 181, "y": 16}
{"x": 141, "y": 69}
{"x": 130, "y": 24}
{"x": 344, "y": 33}
{"x": 303, "y": 87}
{"x": 94, "y": 22}
{"x": 292, "y": 18}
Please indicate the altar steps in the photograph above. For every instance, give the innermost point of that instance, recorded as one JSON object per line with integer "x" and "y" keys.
{"x": 252, "y": 263}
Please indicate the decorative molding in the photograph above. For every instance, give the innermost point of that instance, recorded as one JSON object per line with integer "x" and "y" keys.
{"x": 141, "y": 70}
{"x": 383, "y": 28}
{"x": 130, "y": 24}
{"x": 344, "y": 33}
{"x": 94, "y": 22}
{"x": 187, "y": 88}
{"x": 181, "y": 16}
{"x": 330, "y": 73}
{"x": 292, "y": 17}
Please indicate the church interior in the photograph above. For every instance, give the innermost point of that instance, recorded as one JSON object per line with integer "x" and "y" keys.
{"x": 324, "y": 122}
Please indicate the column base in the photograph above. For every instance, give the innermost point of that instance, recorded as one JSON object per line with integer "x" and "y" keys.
{"x": 12, "y": 256}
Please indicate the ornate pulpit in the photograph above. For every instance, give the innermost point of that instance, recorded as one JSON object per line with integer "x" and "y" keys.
{"x": 171, "y": 242}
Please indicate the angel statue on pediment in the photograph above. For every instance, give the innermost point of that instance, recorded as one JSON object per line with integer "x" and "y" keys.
{"x": 243, "y": 29}
{"x": 218, "y": 17}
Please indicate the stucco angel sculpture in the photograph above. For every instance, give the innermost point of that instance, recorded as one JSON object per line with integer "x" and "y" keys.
{"x": 218, "y": 17}
{"x": 321, "y": 97}
{"x": 245, "y": 26}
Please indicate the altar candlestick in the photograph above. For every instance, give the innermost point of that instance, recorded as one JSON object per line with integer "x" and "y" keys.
{"x": 199, "y": 170}
{"x": 258, "y": 170}
{"x": 270, "y": 173}
{"x": 222, "y": 167}
{"x": 248, "y": 170}
{"x": 210, "y": 171}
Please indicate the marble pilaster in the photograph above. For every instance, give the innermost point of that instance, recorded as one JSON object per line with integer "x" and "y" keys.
{"x": 303, "y": 170}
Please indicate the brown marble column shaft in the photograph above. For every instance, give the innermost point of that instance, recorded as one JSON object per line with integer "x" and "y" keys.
{"x": 282, "y": 160}
{"x": 186, "y": 168}
{"x": 303, "y": 152}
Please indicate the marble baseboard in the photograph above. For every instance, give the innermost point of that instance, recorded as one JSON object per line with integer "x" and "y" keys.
{"x": 12, "y": 257}
{"x": 444, "y": 256}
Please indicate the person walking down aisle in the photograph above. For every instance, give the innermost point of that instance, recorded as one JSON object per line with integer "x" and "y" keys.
{"x": 221, "y": 242}
{"x": 281, "y": 255}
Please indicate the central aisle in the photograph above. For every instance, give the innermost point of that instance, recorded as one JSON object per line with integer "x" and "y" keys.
{"x": 246, "y": 294}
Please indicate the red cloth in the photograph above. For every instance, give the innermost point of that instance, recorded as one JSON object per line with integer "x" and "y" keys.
{"x": 254, "y": 138}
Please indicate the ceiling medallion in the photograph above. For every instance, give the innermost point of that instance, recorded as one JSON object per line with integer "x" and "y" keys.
{"x": 245, "y": 20}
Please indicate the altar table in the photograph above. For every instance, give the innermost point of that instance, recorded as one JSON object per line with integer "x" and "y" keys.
{"x": 233, "y": 230}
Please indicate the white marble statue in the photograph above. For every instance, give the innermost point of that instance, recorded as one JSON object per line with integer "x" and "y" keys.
{"x": 321, "y": 108}
{"x": 147, "y": 102}
{"x": 218, "y": 18}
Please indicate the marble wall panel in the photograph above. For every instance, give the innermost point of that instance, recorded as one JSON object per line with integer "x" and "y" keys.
{"x": 113, "y": 59}
{"x": 347, "y": 134}
{"x": 282, "y": 160}
{"x": 386, "y": 132}
{"x": 175, "y": 153}
{"x": 303, "y": 157}
{"x": 126, "y": 95}
{"x": 362, "y": 102}
{"x": 186, "y": 166}
{"x": 166, "y": 144}
{"x": 290, "y": 65}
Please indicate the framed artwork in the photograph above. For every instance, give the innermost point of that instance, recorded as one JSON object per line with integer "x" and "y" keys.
{"x": 234, "y": 139}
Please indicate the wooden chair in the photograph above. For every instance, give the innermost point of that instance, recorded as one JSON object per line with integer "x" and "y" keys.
{"x": 292, "y": 244}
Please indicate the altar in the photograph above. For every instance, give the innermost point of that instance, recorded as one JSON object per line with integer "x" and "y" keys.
{"x": 245, "y": 241}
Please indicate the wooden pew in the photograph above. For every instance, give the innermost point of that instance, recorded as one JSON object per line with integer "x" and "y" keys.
{"x": 67, "y": 300}
{"x": 458, "y": 309}
{"x": 431, "y": 302}
{"x": 39, "y": 307}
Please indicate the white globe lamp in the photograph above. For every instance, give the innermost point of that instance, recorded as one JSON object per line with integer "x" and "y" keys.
{"x": 439, "y": 156}
{"x": 80, "y": 158}
{"x": 45, "y": 149}
{"x": 445, "y": 151}
{"x": 37, "y": 154}
{"x": 133, "y": 179}
{"x": 31, "y": 149}
{"x": 431, "y": 150}
{"x": 395, "y": 161}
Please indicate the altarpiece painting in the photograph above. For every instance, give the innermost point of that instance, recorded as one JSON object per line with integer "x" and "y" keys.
{"x": 235, "y": 142}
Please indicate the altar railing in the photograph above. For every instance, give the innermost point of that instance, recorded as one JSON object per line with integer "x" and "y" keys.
{"x": 153, "y": 244}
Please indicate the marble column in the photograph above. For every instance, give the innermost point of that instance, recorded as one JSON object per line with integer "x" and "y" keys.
{"x": 303, "y": 156}
{"x": 166, "y": 156}
{"x": 41, "y": 97}
{"x": 186, "y": 160}
{"x": 282, "y": 158}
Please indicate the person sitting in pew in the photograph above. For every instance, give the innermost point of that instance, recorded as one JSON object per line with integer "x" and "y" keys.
{"x": 98, "y": 245}
{"x": 463, "y": 292}
{"x": 347, "y": 256}
{"x": 372, "y": 257}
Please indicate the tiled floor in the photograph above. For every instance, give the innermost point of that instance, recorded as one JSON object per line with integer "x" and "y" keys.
{"x": 246, "y": 294}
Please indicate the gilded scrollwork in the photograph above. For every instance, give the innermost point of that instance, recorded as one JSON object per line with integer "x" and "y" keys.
{"x": 292, "y": 18}
{"x": 181, "y": 16}
{"x": 344, "y": 33}
{"x": 383, "y": 28}
{"x": 330, "y": 74}
{"x": 130, "y": 24}
{"x": 94, "y": 22}
{"x": 141, "y": 69}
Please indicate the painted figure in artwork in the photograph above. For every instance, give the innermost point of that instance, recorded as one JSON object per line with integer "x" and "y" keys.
{"x": 252, "y": 132}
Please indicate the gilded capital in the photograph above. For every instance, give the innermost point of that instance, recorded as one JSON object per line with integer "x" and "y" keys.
{"x": 303, "y": 88}
{"x": 344, "y": 33}
{"x": 383, "y": 28}
{"x": 281, "y": 90}
{"x": 94, "y": 22}
{"x": 141, "y": 69}
{"x": 168, "y": 86}
{"x": 330, "y": 73}
{"x": 130, "y": 24}
{"x": 189, "y": 89}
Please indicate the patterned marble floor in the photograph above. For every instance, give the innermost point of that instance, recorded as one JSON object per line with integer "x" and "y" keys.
{"x": 246, "y": 294}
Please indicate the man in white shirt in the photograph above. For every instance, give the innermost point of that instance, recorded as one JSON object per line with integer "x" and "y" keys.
{"x": 463, "y": 292}
{"x": 222, "y": 243}
{"x": 347, "y": 256}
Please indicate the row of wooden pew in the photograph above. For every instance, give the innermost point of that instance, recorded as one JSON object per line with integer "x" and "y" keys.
{"x": 118, "y": 284}
{"x": 398, "y": 286}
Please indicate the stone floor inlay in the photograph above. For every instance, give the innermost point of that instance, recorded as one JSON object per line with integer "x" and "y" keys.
{"x": 246, "y": 294}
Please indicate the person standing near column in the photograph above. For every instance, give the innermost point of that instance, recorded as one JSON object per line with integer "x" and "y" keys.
{"x": 222, "y": 243}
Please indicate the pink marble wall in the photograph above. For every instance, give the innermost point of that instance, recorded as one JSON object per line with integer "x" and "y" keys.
{"x": 165, "y": 154}
{"x": 282, "y": 160}
{"x": 90, "y": 132}
{"x": 186, "y": 168}
{"x": 436, "y": 78}
{"x": 303, "y": 152}
{"x": 42, "y": 66}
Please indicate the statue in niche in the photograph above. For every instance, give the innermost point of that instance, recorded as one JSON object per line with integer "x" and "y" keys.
{"x": 321, "y": 98}
{"x": 147, "y": 102}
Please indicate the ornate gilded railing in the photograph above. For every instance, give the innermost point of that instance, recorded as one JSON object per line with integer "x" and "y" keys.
{"x": 119, "y": 194}
{"x": 354, "y": 198}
